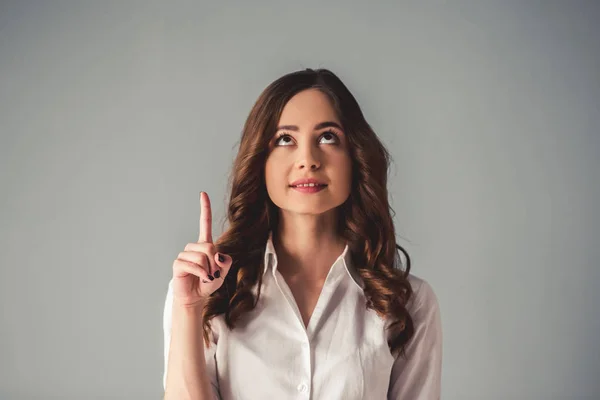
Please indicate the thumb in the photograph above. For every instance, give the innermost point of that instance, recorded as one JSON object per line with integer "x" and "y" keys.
{"x": 224, "y": 262}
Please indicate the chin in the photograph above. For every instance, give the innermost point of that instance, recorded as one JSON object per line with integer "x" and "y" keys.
{"x": 315, "y": 209}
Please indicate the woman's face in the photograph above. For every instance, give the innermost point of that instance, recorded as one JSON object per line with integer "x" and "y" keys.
{"x": 303, "y": 148}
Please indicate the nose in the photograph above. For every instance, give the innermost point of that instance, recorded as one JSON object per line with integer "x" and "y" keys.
{"x": 308, "y": 158}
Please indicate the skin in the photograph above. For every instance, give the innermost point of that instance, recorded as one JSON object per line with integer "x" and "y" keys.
{"x": 307, "y": 243}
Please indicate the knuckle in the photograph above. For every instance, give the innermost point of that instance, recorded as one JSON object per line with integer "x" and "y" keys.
{"x": 197, "y": 259}
{"x": 208, "y": 247}
{"x": 200, "y": 247}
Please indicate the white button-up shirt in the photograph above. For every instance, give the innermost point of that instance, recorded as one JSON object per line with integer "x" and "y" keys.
{"x": 341, "y": 354}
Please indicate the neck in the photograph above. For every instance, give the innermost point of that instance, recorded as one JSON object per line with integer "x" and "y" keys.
{"x": 307, "y": 246}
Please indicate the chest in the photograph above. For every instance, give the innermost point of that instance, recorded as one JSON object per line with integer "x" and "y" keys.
{"x": 342, "y": 354}
{"x": 306, "y": 296}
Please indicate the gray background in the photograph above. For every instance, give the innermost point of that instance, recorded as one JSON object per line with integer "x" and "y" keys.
{"x": 114, "y": 115}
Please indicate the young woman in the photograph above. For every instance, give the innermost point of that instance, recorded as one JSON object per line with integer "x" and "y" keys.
{"x": 304, "y": 296}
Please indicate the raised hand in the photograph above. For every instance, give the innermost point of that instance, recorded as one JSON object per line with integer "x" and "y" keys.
{"x": 199, "y": 270}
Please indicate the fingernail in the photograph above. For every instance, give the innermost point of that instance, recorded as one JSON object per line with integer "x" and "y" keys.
{"x": 211, "y": 277}
{"x": 217, "y": 274}
{"x": 221, "y": 259}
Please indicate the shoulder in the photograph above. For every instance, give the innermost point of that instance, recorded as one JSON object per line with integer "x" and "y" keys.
{"x": 423, "y": 299}
{"x": 423, "y": 306}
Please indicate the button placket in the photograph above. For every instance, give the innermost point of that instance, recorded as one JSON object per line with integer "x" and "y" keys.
{"x": 303, "y": 388}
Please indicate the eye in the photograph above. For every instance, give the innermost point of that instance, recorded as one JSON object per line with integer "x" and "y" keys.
{"x": 283, "y": 136}
{"x": 327, "y": 135}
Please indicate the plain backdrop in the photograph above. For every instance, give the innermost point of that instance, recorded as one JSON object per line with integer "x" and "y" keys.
{"x": 115, "y": 114}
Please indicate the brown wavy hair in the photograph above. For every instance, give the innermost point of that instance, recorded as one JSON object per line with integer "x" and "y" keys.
{"x": 365, "y": 218}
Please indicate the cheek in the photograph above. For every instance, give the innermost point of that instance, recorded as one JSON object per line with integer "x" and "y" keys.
{"x": 344, "y": 170}
{"x": 273, "y": 172}
{"x": 268, "y": 173}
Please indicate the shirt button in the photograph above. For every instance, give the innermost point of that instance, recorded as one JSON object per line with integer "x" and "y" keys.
{"x": 302, "y": 388}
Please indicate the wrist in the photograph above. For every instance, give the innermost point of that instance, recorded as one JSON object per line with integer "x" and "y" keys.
{"x": 197, "y": 306}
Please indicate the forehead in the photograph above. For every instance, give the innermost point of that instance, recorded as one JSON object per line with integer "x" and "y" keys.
{"x": 307, "y": 107}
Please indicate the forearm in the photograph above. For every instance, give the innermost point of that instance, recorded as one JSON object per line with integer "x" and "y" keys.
{"x": 187, "y": 378}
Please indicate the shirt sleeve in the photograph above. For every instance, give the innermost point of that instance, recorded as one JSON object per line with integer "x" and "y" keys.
{"x": 209, "y": 353}
{"x": 418, "y": 375}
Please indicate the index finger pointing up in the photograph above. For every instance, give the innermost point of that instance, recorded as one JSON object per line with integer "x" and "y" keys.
{"x": 205, "y": 219}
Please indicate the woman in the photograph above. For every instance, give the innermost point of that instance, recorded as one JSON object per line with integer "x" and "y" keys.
{"x": 304, "y": 295}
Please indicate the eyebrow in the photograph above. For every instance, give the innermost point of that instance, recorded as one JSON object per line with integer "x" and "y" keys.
{"x": 326, "y": 124}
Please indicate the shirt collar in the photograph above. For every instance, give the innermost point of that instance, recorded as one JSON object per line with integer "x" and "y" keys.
{"x": 345, "y": 258}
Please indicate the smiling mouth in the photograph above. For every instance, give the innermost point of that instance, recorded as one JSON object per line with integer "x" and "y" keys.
{"x": 309, "y": 189}
{"x": 309, "y": 185}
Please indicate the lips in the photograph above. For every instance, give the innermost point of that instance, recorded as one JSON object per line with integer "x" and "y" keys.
{"x": 302, "y": 185}
{"x": 316, "y": 182}
{"x": 309, "y": 189}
